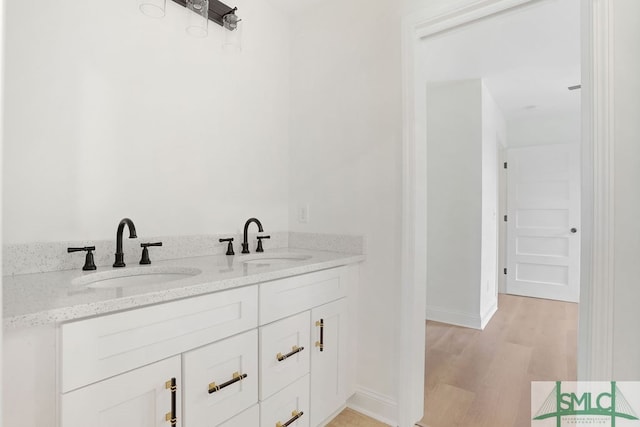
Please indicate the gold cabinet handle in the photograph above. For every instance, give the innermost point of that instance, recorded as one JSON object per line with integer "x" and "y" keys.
{"x": 294, "y": 350}
{"x": 235, "y": 378}
{"x": 320, "y": 343}
{"x": 295, "y": 415}
{"x": 171, "y": 417}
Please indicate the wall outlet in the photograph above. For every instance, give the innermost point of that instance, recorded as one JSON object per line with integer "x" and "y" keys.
{"x": 303, "y": 214}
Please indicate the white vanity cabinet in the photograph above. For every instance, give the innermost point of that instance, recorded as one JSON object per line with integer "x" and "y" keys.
{"x": 124, "y": 348}
{"x": 253, "y": 356}
{"x": 314, "y": 341}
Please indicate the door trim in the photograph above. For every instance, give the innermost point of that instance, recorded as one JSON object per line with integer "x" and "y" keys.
{"x": 595, "y": 339}
{"x": 596, "y": 293}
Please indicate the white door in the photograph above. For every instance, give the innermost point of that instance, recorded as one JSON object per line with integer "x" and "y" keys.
{"x": 328, "y": 359}
{"x": 543, "y": 223}
{"x": 144, "y": 397}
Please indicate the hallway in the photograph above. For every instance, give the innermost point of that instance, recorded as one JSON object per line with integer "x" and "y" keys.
{"x": 482, "y": 378}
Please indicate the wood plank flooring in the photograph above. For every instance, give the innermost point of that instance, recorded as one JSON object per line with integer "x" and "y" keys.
{"x": 483, "y": 378}
{"x": 351, "y": 418}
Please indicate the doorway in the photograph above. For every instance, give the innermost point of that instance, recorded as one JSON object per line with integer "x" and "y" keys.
{"x": 511, "y": 74}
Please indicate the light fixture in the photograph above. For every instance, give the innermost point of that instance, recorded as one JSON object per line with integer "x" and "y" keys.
{"x": 232, "y": 37}
{"x": 198, "y": 17}
{"x": 214, "y": 10}
{"x": 199, "y": 13}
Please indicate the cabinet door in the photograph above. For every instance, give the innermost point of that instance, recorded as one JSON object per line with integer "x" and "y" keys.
{"x": 220, "y": 380}
{"x": 328, "y": 360}
{"x": 139, "y": 398}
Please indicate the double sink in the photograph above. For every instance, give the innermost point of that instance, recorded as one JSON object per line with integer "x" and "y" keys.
{"x": 153, "y": 275}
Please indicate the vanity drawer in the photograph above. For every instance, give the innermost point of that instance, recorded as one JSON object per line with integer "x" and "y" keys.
{"x": 282, "y": 298}
{"x": 249, "y": 418}
{"x": 142, "y": 398}
{"x": 104, "y": 346}
{"x": 290, "y": 403}
{"x": 214, "y": 382}
{"x": 284, "y": 352}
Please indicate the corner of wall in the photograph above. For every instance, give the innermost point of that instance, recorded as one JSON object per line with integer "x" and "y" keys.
{"x": 374, "y": 405}
{"x": 453, "y": 317}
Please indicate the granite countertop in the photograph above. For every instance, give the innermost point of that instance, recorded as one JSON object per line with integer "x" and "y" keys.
{"x": 45, "y": 298}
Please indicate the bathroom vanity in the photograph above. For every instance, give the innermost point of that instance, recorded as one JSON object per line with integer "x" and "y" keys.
{"x": 248, "y": 341}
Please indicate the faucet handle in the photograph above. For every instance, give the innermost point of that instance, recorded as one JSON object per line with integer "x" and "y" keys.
{"x": 89, "y": 264}
{"x": 145, "y": 252}
{"x": 229, "y": 246}
{"x": 259, "y": 248}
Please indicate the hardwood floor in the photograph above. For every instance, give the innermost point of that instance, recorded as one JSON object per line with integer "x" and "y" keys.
{"x": 351, "y": 418}
{"x": 483, "y": 378}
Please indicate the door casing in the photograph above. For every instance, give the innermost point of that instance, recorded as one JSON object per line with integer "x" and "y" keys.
{"x": 596, "y": 302}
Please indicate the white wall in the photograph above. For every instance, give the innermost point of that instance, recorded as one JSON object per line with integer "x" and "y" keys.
{"x": 626, "y": 339}
{"x": 345, "y": 162}
{"x": 454, "y": 201}
{"x": 110, "y": 113}
{"x": 534, "y": 129}
{"x": 464, "y": 127}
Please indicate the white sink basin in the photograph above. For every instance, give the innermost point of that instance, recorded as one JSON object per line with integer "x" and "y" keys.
{"x": 274, "y": 258}
{"x": 138, "y": 276}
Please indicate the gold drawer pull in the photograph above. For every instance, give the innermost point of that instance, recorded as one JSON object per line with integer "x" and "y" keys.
{"x": 236, "y": 377}
{"x": 171, "y": 416}
{"x": 294, "y": 350}
{"x": 295, "y": 415}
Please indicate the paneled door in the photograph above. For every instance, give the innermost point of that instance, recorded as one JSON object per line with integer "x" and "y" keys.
{"x": 328, "y": 360}
{"x": 543, "y": 222}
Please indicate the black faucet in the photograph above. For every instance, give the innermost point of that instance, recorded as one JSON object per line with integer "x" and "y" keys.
{"x": 132, "y": 235}
{"x": 245, "y": 243}
{"x": 89, "y": 264}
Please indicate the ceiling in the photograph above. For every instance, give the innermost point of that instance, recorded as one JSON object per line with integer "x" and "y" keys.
{"x": 527, "y": 57}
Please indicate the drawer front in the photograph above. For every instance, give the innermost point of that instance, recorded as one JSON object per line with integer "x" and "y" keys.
{"x": 140, "y": 398}
{"x": 282, "y": 298}
{"x": 284, "y": 405}
{"x": 284, "y": 352}
{"x": 98, "y": 348}
{"x": 249, "y": 418}
{"x": 220, "y": 368}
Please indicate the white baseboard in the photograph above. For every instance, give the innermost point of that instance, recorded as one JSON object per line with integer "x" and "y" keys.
{"x": 374, "y": 405}
{"x": 458, "y": 318}
{"x": 486, "y": 317}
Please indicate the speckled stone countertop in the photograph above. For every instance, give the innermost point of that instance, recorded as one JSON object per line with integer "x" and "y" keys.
{"x": 45, "y": 298}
